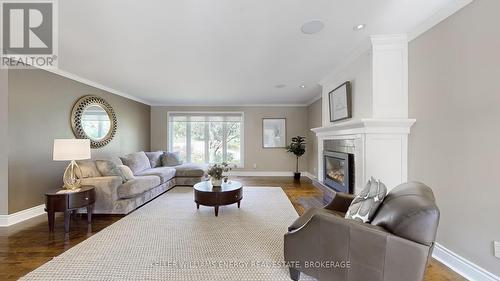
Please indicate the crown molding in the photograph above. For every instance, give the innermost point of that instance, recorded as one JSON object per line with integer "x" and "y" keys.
{"x": 232, "y": 105}
{"x": 313, "y": 100}
{"x": 91, "y": 83}
{"x": 364, "y": 48}
{"x": 439, "y": 16}
{"x": 426, "y": 25}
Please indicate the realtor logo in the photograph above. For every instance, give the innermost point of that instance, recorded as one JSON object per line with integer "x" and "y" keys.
{"x": 28, "y": 37}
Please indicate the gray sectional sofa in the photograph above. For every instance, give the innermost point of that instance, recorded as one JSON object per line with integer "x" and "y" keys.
{"x": 117, "y": 194}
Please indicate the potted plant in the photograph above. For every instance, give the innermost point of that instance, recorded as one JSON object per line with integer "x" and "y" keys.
{"x": 216, "y": 172}
{"x": 298, "y": 148}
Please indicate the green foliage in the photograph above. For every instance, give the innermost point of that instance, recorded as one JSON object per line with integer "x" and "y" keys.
{"x": 297, "y": 146}
{"x": 216, "y": 170}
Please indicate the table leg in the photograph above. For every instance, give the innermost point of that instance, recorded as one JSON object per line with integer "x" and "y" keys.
{"x": 51, "y": 215}
{"x": 197, "y": 206}
{"x": 67, "y": 215}
{"x": 216, "y": 211}
{"x": 239, "y": 202}
{"x": 89, "y": 214}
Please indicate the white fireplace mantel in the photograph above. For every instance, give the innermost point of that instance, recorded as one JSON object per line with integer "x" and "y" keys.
{"x": 381, "y": 148}
{"x": 366, "y": 126}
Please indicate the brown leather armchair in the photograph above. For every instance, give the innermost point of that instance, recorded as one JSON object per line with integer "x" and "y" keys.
{"x": 395, "y": 246}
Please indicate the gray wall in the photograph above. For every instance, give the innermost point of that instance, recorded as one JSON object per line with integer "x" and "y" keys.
{"x": 266, "y": 159}
{"x": 454, "y": 146}
{"x": 313, "y": 121}
{"x": 40, "y": 105}
{"x": 4, "y": 143}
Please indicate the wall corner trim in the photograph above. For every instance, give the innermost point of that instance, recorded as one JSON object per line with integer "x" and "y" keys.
{"x": 8, "y": 220}
{"x": 461, "y": 265}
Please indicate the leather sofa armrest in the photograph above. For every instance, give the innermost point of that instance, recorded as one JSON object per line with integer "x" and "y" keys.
{"x": 368, "y": 252}
{"x": 340, "y": 202}
{"x": 106, "y": 189}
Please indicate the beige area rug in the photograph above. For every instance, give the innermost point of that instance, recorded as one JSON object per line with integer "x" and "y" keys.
{"x": 169, "y": 239}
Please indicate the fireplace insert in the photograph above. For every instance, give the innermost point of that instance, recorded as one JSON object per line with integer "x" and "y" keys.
{"x": 339, "y": 171}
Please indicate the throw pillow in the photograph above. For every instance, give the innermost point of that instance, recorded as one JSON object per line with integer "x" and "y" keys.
{"x": 88, "y": 168}
{"x": 137, "y": 162}
{"x": 366, "y": 203}
{"x": 108, "y": 168}
{"x": 154, "y": 158}
{"x": 170, "y": 159}
{"x": 126, "y": 172}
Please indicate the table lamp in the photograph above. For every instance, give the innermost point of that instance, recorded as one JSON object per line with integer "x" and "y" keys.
{"x": 71, "y": 150}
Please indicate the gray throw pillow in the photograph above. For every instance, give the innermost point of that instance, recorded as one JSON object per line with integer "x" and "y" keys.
{"x": 154, "y": 158}
{"x": 88, "y": 168}
{"x": 365, "y": 204}
{"x": 137, "y": 162}
{"x": 170, "y": 159}
{"x": 108, "y": 168}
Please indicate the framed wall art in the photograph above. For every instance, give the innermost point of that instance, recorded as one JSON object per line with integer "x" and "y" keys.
{"x": 274, "y": 133}
{"x": 340, "y": 102}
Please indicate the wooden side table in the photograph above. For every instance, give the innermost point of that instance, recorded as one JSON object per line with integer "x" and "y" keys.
{"x": 67, "y": 203}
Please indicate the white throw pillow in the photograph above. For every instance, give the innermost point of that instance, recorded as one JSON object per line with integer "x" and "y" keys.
{"x": 127, "y": 172}
{"x": 366, "y": 203}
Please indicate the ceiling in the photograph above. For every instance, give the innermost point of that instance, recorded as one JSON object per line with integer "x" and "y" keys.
{"x": 222, "y": 52}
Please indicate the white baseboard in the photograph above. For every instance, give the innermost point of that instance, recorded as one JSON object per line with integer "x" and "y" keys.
{"x": 260, "y": 173}
{"x": 268, "y": 174}
{"x": 462, "y": 266}
{"x": 8, "y": 220}
{"x": 310, "y": 176}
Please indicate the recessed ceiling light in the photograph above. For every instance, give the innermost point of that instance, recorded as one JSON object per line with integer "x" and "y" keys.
{"x": 279, "y": 86}
{"x": 312, "y": 27}
{"x": 359, "y": 27}
{"x": 302, "y": 86}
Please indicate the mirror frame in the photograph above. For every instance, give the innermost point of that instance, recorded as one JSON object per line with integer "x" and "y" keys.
{"x": 76, "y": 120}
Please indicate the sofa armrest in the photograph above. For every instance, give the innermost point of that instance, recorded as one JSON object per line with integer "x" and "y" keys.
{"x": 367, "y": 251}
{"x": 106, "y": 189}
{"x": 340, "y": 202}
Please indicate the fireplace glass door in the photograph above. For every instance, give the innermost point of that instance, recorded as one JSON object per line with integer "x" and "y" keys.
{"x": 335, "y": 169}
{"x": 339, "y": 171}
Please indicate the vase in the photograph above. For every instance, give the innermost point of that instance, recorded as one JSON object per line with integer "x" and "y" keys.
{"x": 216, "y": 182}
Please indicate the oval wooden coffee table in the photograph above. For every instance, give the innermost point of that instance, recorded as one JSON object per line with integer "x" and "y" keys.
{"x": 207, "y": 195}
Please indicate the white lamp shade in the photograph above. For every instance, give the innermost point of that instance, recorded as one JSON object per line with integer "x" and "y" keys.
{"x": 71, "y": 149}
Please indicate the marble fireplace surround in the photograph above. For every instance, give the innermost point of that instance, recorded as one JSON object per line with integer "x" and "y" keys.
{"x": 381, "y": 137}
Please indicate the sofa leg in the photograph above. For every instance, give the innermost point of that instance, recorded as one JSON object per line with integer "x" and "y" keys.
{"x": 294, "y": 274}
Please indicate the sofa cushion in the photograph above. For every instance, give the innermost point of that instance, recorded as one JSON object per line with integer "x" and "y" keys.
{"x": 170, "y": 159}
{"x": 108, "y": 168}
{"x": 165, "y": 173}
{"x": 154, "y": 158}
{"x": 190, "y": 170}
{"x": 138, "y": 185}
{"x": 88, "y": 168}
{"x": 137, "y": 162}
{"x": 366, "y": 203}
{"x": 127, "y": 173}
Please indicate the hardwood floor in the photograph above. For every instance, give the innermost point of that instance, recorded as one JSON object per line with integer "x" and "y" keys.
{"x": 28, "y": 245}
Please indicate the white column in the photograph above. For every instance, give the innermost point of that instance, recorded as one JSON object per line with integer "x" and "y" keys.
{"x": 4, "y": 143}
{"x": 390, "y": 76}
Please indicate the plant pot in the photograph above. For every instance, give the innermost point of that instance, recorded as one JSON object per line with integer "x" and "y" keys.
{"x": 216, "y": 182}
{"x": 296, "y": 176}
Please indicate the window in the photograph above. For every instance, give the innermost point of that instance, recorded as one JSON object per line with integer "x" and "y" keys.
{"x": 201, "y": 137}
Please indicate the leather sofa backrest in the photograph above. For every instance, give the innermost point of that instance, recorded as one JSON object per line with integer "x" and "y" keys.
{"x": 409, "y": 211}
